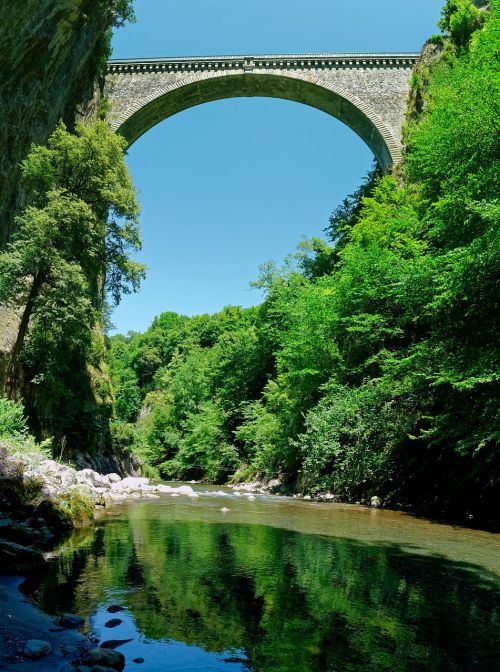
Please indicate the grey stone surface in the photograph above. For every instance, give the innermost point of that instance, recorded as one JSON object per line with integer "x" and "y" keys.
{"x": 368, "y": 92}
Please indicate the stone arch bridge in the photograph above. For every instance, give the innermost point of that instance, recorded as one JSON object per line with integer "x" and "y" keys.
{"x": 368, "y": 92}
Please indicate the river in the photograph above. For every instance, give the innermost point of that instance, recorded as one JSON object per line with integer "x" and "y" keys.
{"x": 281, "y": 585}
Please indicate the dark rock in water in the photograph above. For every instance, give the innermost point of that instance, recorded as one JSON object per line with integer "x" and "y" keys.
{"x": 71, "y": 621}
{"x": 57, "y": 521}
{"x": 115, "y": 608}
{"x": 94, "y": 668}
{"x": 37, "y": 648}
{"x": 138, "y": 660}
{"x": 113, "y": 623}
{"x": 18, "y": 532}
{"x": 20, "y": 559}
{"x": 105, "y": 657}
{"x": 234, "y": 659}
{"x": 114, "y": 643}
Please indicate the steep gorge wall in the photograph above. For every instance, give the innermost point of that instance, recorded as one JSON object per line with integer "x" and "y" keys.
{"x": 52, "y": 53}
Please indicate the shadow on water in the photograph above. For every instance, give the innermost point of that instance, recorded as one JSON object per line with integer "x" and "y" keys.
{"x": 274, "y": 600}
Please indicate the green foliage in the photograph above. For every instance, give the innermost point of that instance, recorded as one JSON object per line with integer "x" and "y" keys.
{"x": 76, "y": 505}
{"x": 71, "y": 246}
{"x": 13, "y": 423}
{"x": 372, "y": 365}
{"x": 185, "y": 382}
{"x": 14, "y": 429}
{"x": 460, "y": 18}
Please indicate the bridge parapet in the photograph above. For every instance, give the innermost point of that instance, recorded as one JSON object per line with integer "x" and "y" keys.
{"x": 273, "y": 61}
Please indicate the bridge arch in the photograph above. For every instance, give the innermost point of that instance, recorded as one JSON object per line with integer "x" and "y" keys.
{"x": 367, "y": 92}
{"x": 297, "y": 87}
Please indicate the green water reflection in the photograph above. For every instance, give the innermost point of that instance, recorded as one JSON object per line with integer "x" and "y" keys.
{"x": 293, "y": 602}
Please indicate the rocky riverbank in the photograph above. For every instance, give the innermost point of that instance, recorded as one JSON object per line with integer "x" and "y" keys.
{"x": 40, "y": 501}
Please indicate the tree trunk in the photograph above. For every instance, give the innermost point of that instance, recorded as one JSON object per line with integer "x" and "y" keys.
{"x": 13, "y": 365}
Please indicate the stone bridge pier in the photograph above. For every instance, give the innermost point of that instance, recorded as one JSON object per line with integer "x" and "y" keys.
{"x": 367, "y": 92}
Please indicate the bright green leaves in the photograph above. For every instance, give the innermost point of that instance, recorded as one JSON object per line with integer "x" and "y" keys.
{"x": 460, "y": 18}
{"x": 70, "y": 248}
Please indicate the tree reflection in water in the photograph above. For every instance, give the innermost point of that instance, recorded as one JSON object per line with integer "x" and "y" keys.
{"x": 291, "y": 602}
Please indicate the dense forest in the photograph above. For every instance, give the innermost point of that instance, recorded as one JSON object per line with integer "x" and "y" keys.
{"x": 371, "y": 367}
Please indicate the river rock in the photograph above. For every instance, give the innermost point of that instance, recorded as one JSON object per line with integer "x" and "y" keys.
{"x": 184, "y": 490}
{"x": 138, "y": 660}
{"x": 37, "y": 648}
{"x": 113, "y": 623}
{"x": 115, "y": 608}
{"x": 165, "y": 489}
{"x": 20, "y": 559}
{"x": 134, "y": 483}
{"x": 57, "y": 521}
{"x": 94, "y": 668}
{"x": 71, "y": 621}
{"x": 21, "y": 533}
{"x": 113, "y": 478}
{"x": 90, "y": 476}
{"x": 114, "y": 643}
{"x": 376, "y": 502}
{"x": 104, "y": 657}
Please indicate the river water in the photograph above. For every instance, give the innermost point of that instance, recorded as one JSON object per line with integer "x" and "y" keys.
{"x": 282, "y": 585}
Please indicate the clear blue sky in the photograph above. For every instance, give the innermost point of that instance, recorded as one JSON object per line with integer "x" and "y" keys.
{"x": 231, "y": 184}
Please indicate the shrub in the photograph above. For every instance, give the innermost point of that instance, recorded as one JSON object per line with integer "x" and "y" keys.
{"x": 13, "y": 424}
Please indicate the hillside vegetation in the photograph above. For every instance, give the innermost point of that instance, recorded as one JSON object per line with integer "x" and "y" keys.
{"x": 372, "y": 365}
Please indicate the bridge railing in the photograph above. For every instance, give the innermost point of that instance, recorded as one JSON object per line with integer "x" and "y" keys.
{"x": 273, "y": 61}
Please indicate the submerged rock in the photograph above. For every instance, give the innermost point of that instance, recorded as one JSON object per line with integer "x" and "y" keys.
{"x": 104, "y": 657}
{"x": 115, "y": 608}
{"x": 114, "y": 643}
{"x": 113, "y": 623}
{"x": 37, "y": 648}
{"x": 86, "y": 668}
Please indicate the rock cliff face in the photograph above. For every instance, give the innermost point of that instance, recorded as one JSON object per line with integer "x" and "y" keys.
{"x": 52, "y": 52}
{"x": 53, "y": 55}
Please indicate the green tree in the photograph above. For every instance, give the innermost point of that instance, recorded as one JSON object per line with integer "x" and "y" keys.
{"x": 71, "y": 243}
